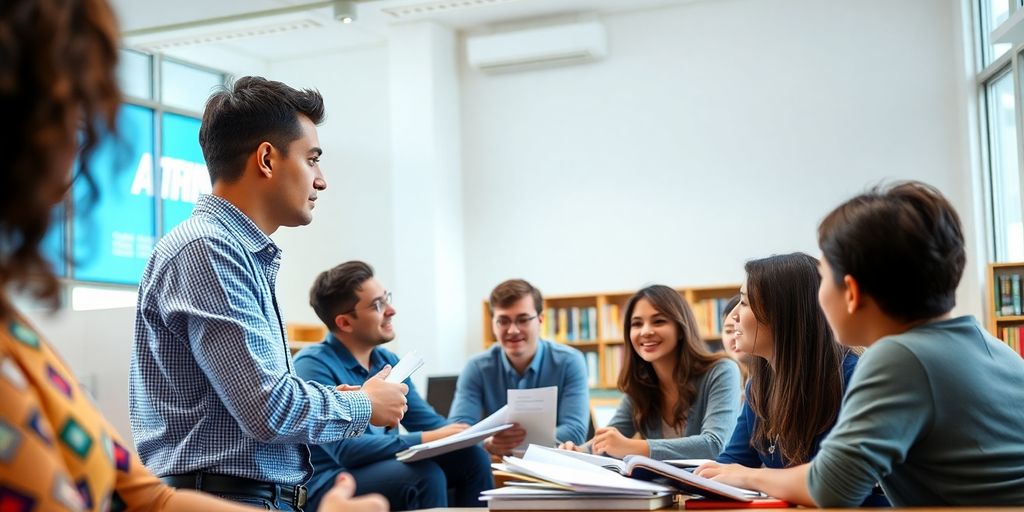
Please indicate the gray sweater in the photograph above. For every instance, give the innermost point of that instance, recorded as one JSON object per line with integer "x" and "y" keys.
{"x": 936, "y": 415}
{"x": 709, "y": 422}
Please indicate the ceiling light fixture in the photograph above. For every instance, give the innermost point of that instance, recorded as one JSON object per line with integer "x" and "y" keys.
{"x": 345, "y": 11}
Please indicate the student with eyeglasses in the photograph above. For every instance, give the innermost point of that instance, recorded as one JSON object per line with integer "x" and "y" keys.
{"x": 358, "y": 313}
{"x": 521, "y": 360}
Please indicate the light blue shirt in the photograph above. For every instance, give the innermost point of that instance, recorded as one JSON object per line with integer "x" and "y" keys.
{"x": 483, "y": 386}
{"x": 211, "y": 384}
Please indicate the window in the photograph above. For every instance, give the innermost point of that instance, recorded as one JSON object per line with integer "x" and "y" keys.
{"x": 1000, "y": 81}
{"x": 148, "y": 178}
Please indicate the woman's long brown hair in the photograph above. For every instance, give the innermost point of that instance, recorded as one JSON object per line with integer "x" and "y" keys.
{"x": 693, "y": 359}
{"x": 799, "y": 398}
{"x": 58, "y": 87}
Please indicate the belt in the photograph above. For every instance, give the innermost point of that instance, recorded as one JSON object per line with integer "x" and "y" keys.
{"x": 224, "y": 484}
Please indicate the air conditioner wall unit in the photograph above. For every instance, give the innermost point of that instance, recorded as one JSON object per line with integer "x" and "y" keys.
{"x": 547, "y": 46}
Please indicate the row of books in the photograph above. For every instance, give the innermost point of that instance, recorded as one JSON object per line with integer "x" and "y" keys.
{"x": 550, "y": 479}
{"x": 1012, "y": 337}
{"x": 567, "y": 325}
{"x": 1007, "y": 295}
{"x": 709, "y": 316}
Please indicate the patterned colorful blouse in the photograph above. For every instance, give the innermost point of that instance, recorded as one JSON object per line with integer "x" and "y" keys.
{"x": 57, "y": 452}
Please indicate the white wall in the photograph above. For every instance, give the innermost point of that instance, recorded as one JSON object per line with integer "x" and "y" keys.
{"x": 353, "y": 217}
{"x": 715, "y": 132}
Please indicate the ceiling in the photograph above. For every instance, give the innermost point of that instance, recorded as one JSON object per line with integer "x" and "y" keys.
{"x": 297, "y": 27}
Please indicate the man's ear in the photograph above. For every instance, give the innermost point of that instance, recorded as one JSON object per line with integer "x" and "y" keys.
{"x": 854, "y": 299}
{"x": 343, "y": 323}
{"x": 264, "y": 157}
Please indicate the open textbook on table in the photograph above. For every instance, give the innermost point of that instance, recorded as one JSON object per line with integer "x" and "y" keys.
{"x": 580, "y": 471}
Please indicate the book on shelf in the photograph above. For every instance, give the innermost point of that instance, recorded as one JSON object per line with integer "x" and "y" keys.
{"x": 517, "y": 497}
{"x": 1009, "y": 303}
{"x": 593, "y": 379}
{"x": 582, "y": 472}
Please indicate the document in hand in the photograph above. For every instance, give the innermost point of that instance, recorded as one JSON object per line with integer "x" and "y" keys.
{"x": 406, "y": 366}
{"x": 646, "y": 468}
{"x": 535, "y": 410}
{"x": 466, "y": 438}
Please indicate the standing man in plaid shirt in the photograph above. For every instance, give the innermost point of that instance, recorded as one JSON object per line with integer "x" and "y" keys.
{"x": 214, "y": 400}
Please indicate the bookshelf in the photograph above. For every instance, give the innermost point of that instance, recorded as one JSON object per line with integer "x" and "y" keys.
{"x": 1005, "y": 291}
{"x": 592, "y": 323}
{"x": 302, "y": 335}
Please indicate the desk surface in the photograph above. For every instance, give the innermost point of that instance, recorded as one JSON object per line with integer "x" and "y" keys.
{"x": 921, "y": 509}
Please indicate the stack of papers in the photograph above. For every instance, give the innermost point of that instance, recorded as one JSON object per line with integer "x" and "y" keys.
{"x": 635, "y": 474}
{"x": 515, "y": 497}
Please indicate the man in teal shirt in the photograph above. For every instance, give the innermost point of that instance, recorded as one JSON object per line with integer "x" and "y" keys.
{"x": 521, "y": 360}
{"x": 934, "y": 410}
{"x": 358, "y": 313}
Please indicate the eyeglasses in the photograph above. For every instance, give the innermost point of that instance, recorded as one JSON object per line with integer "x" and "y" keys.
{"x": 521, "y": 322}
{"x": 379, "y": 304}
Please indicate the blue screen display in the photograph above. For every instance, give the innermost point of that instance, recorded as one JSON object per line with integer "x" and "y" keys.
{"x": 184, "y": 170}
{"x": 114, "y": 230}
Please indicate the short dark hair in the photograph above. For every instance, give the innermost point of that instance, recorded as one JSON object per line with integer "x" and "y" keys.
{"x": 903, "y": 244}
{"x": 255, "y": 110}
{"x": 334, "y": 290}
{"x": 509, "y": 292}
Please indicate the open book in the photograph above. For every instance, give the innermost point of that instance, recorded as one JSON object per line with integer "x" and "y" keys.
{"x": 640, "y": 468}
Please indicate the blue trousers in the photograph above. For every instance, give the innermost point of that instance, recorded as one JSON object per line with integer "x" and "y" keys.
{"x": 426, "y": 483}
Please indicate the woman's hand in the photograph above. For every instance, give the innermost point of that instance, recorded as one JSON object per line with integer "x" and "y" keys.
{"x": 573, "y": 447}
{"x": 610, "y": 441}
{"x": 733, "y": 474}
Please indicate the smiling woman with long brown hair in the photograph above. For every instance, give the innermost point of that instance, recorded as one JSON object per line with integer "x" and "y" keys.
{"x": 58, "y": 89}
{"x": 681, "y": 399}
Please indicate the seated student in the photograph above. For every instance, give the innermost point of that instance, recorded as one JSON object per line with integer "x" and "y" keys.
{"x": 933, "y": 410}
{"x": 358, "y": 312}
{"x": 729, "y": 339}
{"x": 521, "y": 360}
{"x": 798, "y": 372}
{"x": 58, "y": 96}
{"x": 682, "y": 399}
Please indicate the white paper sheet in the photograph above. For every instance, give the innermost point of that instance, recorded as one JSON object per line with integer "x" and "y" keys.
{"x": 408, "y": 364}
{"x": 535, "y": 410}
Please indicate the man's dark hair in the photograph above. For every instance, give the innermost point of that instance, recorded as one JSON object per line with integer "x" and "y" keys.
{"x": 904, "y": 245}
{"x": 509, "y": 292}
{"x": 255, "y": 110}
{"x": 334, "y": 290}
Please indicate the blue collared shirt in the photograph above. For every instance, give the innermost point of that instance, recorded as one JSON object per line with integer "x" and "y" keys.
{"x": 330, "y": 363}
{"x": 211, "y": 385}
{"x": 483, "y": 386}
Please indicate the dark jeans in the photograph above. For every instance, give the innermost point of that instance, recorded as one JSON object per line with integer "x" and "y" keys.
{"x": 425, "y": 483}
{"x": 260, "y": 502}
